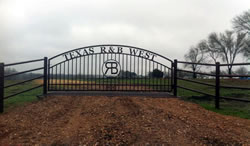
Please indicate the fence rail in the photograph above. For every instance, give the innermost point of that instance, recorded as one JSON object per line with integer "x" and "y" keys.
{"x": 3, "y": 76}
{"x": 217, "y": 76}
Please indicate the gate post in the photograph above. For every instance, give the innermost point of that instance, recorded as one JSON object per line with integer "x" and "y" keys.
{"x": 45, "y": 77}
{"x": 1, "y": 87}
{"x": 175, "y": 77}
{"x": 217, "y": 86}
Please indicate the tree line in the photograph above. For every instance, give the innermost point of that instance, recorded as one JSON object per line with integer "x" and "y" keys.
{"x": 226, "y": 46}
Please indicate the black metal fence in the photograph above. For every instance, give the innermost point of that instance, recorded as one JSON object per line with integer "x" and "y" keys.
{"x": 110, "y": 68}
{"x": 217, "y": 76}
{"x": 116, "y": 68}
{"x": 3, "y": 77}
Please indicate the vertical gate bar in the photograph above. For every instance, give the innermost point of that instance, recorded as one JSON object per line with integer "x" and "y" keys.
{"x": 76, "y": 76}
{"x": 165, "y": 79}
{"x": 115, "y": 78}
{"x": 158, "y": 78}
{"x": 95, "y": 70}
{"x": 49, "y": 81}
{"x": 146, "y": 85}
{"x": 168, "y": 79}
{"x": 153, "y": 76}
{"x": 88, "y": 73}
{"x": 217, "y": 90}
{"x": 130, "y": 62}
{"x": 123, "y": 68}
{"x": 68, "y": 76}
{"x": 72, "y": 74}
{"x": 172, "y": 75}
{"x": 161, "y": 79}
{"x": 138, "y": 73}
{"x": 135, "y": 76}
{"x": 84, "y": 75}
{"x": 111, "y": 78}
{"x": 142, "y": 75}
{"x": 80, "y": 74}
{"x": 99, "y": 77}
{"x": 64, "y": 82}
{"x": 60, "y": 77}
{"x": 126, "y": 72}
{"x": 56, "y": 77}
{"x": 45, "y": 77}
{"x": 103, "y": 85}
{"x": 52, "y": 78}
{"x": 119, "y": 76}
{"x": 149, "y": 75}
{"x": 175, "y": 77}
{"x": 1, "y": 87}
{"x": 91, "y": 82}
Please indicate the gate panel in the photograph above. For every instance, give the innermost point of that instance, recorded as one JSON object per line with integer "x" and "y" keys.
{"x": 110, "y": 68}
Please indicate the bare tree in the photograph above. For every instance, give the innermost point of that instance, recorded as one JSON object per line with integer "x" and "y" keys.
{"x": 241, "y": 22}
{"x": 209, "y": 49}
{"x": 242, "y": 71}
{"x": 194, "y": 55}
{"x": 246, "y": 52}
{"x": 228, "y": 45}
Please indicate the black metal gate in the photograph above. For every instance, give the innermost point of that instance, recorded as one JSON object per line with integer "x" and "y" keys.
{"x": 110, "y": 68}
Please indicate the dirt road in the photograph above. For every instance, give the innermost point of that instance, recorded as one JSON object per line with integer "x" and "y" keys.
{"x": 100, "y": 120}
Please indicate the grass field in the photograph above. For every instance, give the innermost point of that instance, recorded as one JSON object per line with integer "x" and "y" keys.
{"x": 233, "y": 108}
{"x": 21, "y": 98}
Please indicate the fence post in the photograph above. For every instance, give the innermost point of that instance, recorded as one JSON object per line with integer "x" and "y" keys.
{"x": 217, "y": 86}
{"x": 1, "y": 87}
{"x": 175, "y": 77}
{"x": 45, "y": 77}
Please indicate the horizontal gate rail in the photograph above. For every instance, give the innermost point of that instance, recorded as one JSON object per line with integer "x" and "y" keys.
{"x": 196, "y": 72}
{"x": 23, "y": 91}
{"x": 36, "y": 69}
{"x": 192, "y": 81}
{"x": 235, "y": 87}
{"x": 195, "y": 91}
{"x": 11, "y": 85}
{"x": 24, "y": 62}
{"x": 235, "y": 99}
{"x": 207, "y": 64}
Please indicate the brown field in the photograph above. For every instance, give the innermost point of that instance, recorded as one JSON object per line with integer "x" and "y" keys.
{"x": 103, "y": 120}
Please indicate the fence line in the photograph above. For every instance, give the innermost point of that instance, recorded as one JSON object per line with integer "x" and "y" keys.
{"x": 217, "y": 76}
{"x": 3, "y": 76}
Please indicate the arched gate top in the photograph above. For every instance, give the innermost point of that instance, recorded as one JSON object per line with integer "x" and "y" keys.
{"x": 109, "y": 49}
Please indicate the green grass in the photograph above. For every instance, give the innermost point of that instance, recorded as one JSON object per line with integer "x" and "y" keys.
{"x": 20, "y": 99}
{"x": 233, "y": 108}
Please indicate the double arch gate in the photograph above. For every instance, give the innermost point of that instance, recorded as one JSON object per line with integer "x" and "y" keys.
{"x": 110, "y": 68}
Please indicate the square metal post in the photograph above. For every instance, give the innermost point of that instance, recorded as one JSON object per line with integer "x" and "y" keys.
{"x": 1, "y": 87}
{"x": 217, "y": 86}
{"x": 175, "y": 77}
{"x": 45, "y": 77}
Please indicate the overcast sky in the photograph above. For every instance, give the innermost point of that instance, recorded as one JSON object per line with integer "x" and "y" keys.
{"x": 32, "y": 29}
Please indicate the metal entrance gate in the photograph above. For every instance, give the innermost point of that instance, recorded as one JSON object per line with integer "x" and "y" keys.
{"x": 110, "y": 68}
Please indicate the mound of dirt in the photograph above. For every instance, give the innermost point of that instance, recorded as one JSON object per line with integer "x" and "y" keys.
{"x": 76, "y": 120}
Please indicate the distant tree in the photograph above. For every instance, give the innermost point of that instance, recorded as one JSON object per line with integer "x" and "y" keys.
{"x": 127, "y": 74}
{"x": 246, "y": 51}
{"x": 209, "y": 49}
{"x": 195, "y": 55}
{"x": 241, "y": 23}
{"x": 242, "y": 71}
{"x": 228, "y": 45}
{"x": 156, "y": 73}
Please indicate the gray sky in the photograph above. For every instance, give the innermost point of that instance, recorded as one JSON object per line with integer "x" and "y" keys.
{"x": 32, "y": 29}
